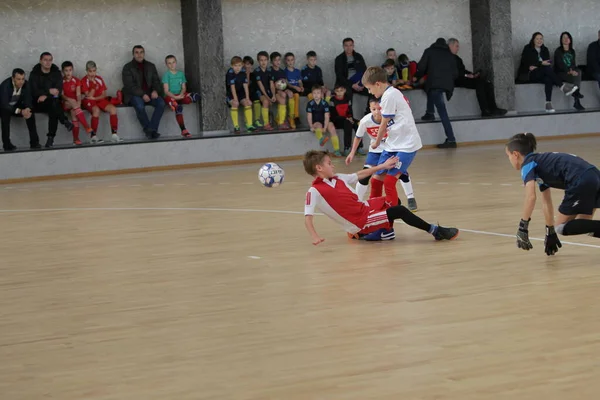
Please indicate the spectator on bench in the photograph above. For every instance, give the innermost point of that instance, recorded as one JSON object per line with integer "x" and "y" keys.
{"x": 16, "y": 101}
{"x": 349, "y": 69}
{"x": 593, "y": 59}
{"x": 536, "y": 67}
{"x": 484, "y": 89}
{"x": 142, "y": 86}
{"x": 46, "y": 89}
{"x": 439, "y": 64}
{"x": 565, "y": 66}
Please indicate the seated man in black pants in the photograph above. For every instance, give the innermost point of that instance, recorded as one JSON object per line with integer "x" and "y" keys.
{"x": 483, "y": 87}
{"x": 16, "y": 101}
{"x": 46, "y": 89}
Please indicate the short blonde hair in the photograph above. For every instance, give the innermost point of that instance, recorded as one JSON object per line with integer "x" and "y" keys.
{"x": 89, "y": 65}
{"x": 313, "y": 158}
{"x": 373, "y": 75}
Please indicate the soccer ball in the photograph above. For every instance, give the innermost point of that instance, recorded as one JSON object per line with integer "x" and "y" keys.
{"x": 271, "y": 175}
{"x": 281, "y": 84}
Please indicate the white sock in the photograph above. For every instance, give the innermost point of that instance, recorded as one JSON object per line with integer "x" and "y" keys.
{"x": 408, "y": 190}
{"x": 361, "y": 191}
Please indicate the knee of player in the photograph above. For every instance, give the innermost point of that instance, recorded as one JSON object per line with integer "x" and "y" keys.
{"x": 364, "y": 181}
{"x": 560, "y": 229}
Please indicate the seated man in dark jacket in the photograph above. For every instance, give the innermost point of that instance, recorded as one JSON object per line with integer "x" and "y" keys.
{"x": 142, "y": 86}
{"x": 593, "y": 59}
{"x": 46, "y": 88}
{"x": 349, "y": 69}
{"x": 484, "y": 89}
{"x": 16, "y": 101}
{"x": 439, "y": 64}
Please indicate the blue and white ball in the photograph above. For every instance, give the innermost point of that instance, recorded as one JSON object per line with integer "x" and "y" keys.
{"x": 271, "y": 175}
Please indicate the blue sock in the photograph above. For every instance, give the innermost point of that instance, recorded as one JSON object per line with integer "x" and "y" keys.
{"x": 433, "y": 229}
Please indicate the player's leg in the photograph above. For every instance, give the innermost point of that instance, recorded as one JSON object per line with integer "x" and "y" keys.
{"x": 113, "y": 119}
{"x": 281, "y": 110}
{"x": 256, "y": 108}
{"x": 247, "y": 104}
{"x": 363, "y": 184}
{"x": 318, "y": 129}
{"x": 326, "y": 94}
{"x": 406, "y": 160}
{"x": 171, "y": 102}
{"x": 235, "y": 118}
{"x": 335, "y": 140}
{"x": 266, "y": 103}
{"x": 578, "y": 207}
{"x": 291, "y": 106}
{"x": 438, "y": 232}
{"x": 390, "y": 178}
{"x": 74, "y": 121}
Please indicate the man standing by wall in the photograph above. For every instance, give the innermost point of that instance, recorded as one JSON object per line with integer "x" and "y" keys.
{"x": 593, "y": 59}
{"x": 484, "y": 89}
{"x": 46, "y": 89}
{"x": 142, "y": 86}
{"x": 16, "y": 101}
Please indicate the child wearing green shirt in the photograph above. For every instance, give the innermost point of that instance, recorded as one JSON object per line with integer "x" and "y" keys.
{"x": 176, "y": 94}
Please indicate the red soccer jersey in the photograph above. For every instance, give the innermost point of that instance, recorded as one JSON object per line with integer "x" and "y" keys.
{"x": 97, "y": 84}
{"x": 70, "y": 87}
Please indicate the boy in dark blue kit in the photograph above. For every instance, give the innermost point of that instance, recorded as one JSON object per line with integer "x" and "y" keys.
{"x": 279, "y": 74}
{"x": 236, "y": 84}
{"x": 579, "y": 179}
{"x": 317, "y": 114}
{"x": 253, "y": 90}
{"x": 265, "y": 87}
{"x": 312, "y": 75}
{"x": 294, "y": 89}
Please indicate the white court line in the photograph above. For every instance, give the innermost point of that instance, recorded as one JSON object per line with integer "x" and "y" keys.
{"x": 248, "y": 210}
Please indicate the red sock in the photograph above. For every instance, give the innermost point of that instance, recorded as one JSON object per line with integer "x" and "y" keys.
{"x": 114, "y": 123}
{"x": 391, "y": 193}
{"x": 81, "y": 118}
{"x": 179, "y": 118}
{"x": 95, "y": 122}
{"x": 75, "y": 130}
{"x": 376, "y": 188}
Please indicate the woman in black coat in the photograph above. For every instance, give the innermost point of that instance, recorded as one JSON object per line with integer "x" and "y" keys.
{"x": 565, "y": 66}
{"x": 536, "y": 68}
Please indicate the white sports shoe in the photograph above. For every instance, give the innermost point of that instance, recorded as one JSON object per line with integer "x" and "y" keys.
{"x": 115, "y": 138}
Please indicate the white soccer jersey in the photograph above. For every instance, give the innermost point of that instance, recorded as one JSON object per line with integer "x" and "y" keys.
{"x": 336, "y": 199}
{"x": 402, "y": 131}
{"x": 370, "y": 127}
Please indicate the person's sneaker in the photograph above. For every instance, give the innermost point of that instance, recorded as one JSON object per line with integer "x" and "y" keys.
{"x": 77, "y": 142}
{"x": 499, "y": 112}
{"x": 412, "y": 205}
{"x": 186, "y": 134}
{"x": 35, "y": 146}
{"x": 95, "y": 140}
{"x": 236, "y": 130}
{"x": 338, "y": 153}
{"x": 268, "y": 127}
{"x": 50, "y": 142}
{"x": 292, "y": 123}
{"x": 568, "y": 88}
{"x": 250, "y": 128}
{"x": 297, "y": 121}
{"x": 549, "y": 108}
{"x": 428, "y": 117}
{"x": 362, "y": 152}
{"x": 442, "y": 233}
{"x": 10, "y": 147}
{"x": 346, "y": 151}
{"x": 447, "y": 145}
{"x": 284, "y": 126}
{"x": 69, "y": 125}
{"x": 381, "y": 234}
{"x": 323, "y": 140}
{"x": 258, "y": 124}
{"x": 578, "y": 105}
{"x": 115, "y": 138}
{"x": 155, "y": 135}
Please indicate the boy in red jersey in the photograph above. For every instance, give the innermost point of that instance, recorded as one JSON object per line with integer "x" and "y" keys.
{"x": 371, "y": 220}
{"x": 94, "y": 88}
{"x": 71, "y": 101}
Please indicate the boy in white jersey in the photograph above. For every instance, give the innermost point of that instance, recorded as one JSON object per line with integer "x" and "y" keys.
{"x": 370, "y": 124}
{"x": 369, "y": 220}
{"x": 397, "y": 122}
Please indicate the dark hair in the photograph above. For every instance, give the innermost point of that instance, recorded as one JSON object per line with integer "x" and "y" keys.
{"x": 313, "y": 158}
{"x": 248, "y": 59}
{"x": 137, "y": 46}
{"x": 66, "y": 64}
{"x": 373, "y": 100}
{"x": 388, "y": 50}
{"x": 17, "y": 71}
{"x": 524, "y": 143}
{"x": 262, "y": 54}
{"x": 311, "y": 54}
{"x": 531, "y": 42}
{"x": 169, "y": 57}
{"x": 44, "y": 54}
{"x": 289, "y": 54}
{"x": 348, "y": 39}
{"x": 317, "y": 88}
{"x": 389, "y": 63}
{"x": 570, "y": 39}
{"x": 403, "y": 59}
{"x": 274, "y": 55}
{"x": 340, "y": 85}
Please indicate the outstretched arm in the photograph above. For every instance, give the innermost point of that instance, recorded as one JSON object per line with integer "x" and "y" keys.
{"x": 548, "y": 207}
{"x": 389, "y": 163}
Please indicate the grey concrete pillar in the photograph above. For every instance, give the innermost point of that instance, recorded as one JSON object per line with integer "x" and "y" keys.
{"x": 202, "y": 24}
{"x": 491, "y": 31}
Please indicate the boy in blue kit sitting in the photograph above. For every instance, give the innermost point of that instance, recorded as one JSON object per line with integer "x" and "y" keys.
{"x": 294, "y": 89}
{"x": 312, "y": 75}
{"x": 278, "y": 74}
{"x": 236, "y": 85}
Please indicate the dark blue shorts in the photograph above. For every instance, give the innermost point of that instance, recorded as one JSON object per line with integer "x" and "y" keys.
{"x": 584, "y": 196}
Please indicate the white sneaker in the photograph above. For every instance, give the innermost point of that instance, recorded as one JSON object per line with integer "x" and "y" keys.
{"x": 95, "y": 140}
{"x": 549, "y": 108}
{"x": 568, "y": 88}
{"x": 115, "y": 138}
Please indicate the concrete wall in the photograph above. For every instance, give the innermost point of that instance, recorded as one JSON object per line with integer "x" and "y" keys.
{"x": 409, "y": 26}
{"x": 99, "y": 30}
{"x": 551, "y": 18}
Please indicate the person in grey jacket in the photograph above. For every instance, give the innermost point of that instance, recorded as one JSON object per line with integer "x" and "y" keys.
{"x": 141, "y": 87}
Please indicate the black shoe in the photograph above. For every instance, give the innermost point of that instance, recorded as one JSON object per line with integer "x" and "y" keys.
{"x": 35, "y": 146}
{"x": 68, "y": 124}
{"x": 578, "y": 95}
{"x": 499, "y": 112}
{"x": 148, "y": 133}
{"x": 578, "y": 105}
{"x": 428, "y": 117}
{"x": 50, "y": 142}
{"x": 10, "y": 147}
{"x": 445, "y": 233}
{"x": 486, "y": 113}
{"x": 155, "y": 135}
{"x": 447, "y": 145}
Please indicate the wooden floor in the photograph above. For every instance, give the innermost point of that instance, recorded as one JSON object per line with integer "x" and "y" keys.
{"x": 201, "y": 284}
